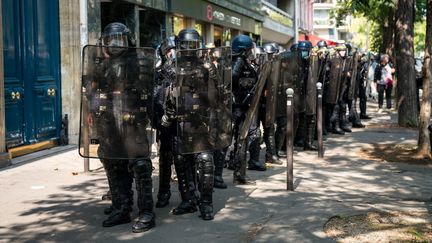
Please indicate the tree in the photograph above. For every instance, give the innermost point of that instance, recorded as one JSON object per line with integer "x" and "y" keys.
{"x": 425, "y": 109}
{"x": 405, "y": 64}
{"x": 381, "y": 13}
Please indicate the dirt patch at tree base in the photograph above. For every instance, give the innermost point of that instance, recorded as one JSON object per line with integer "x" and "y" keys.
{"x": 381, "y": 227}
{"x": 404, "y": 153}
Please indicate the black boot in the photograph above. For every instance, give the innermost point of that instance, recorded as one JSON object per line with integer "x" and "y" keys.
{"x": 280, "y": 135}
{"x": 254, "y": 151}
{"x": 279, "y": 142}
{"x": 335, "y": 122}
{"x": 310, "y": 133}
{"x": 206, "y": 171}
{"x": 239, "y": 175}
{"x": 356, "y": 123}
{"x": 143, "y": 182}
{"x": 365, "y": 117}
{"x": 328, "y": 115}
{"x": 120, "y": 182}
{"x": 164, "y": 194}
{"x": 354, "y": 116}
{"x": 300, "y": 135}
{"x": 344, "y": 124}
{"x": 269, "y": 140}
{"x": 187, "y": 204}
{"x": 218, "y": 158}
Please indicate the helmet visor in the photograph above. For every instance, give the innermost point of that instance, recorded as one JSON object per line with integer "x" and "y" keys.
{"x": 304, "y": 54}
{"x": 115, "y": 40}
{"x": 187, "y": 45}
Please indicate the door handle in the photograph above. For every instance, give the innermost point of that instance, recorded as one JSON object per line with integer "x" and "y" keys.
{"x": 51, "y": 92}
{"x": 15, "y": 95}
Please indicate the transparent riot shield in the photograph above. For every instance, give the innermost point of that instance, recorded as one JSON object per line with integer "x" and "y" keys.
{"x": 202, "y": 91}
{"x": 311, "y": 90}
{"x": 353, "y": 79}
{"x": 291, "y": 76}
{"x": 334, "y": 80}
{"x": 272, "y": 91}
{"x": 116, "y": 102}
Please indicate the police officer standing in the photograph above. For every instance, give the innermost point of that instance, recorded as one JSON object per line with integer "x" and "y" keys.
{"x": 118, "y": 128}
{"x": 244, "y": 80}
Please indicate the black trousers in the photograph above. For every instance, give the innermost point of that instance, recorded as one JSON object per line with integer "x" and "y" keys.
{"x": 388, "y": 91}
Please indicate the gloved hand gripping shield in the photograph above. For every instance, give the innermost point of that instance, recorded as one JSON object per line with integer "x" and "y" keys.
{"x": 203, "y": 98}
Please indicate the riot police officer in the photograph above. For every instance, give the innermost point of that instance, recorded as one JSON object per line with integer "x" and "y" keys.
{"x": 323, "y": 54}
{"x": 165, "y": 75}
{"x": 352, "y": 86}
{"x": 307, "y": 121}
{"x": 191, "y": 85}
{"x": 244, "y": 80}
{"x": 267, "y": 109}
{"x": 336, "y": 73}
{"x": 120, "y": 128}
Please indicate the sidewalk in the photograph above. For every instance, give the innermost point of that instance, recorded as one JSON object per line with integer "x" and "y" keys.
{"x": 47, "y": 200}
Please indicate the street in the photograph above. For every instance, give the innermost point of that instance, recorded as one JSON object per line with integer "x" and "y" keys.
{"x": 51, "y": 200}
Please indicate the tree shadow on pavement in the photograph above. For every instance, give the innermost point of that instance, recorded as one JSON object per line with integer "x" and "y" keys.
{"x": 340, "y": 184}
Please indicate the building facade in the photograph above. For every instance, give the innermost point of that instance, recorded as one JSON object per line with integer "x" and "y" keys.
{"x": 324, "y": 26}
{"x": 279, "y": 25}
{"x": 304, "y": 15}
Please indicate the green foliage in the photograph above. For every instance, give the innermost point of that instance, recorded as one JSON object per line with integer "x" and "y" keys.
{"x": 376, "y": 12}
{"x": 419, "y": 36}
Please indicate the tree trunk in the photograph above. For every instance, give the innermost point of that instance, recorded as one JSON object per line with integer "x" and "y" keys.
{"x": 405, "y": 70}
{"x": 388, "y": 34}
{"x": 425, "y": 109}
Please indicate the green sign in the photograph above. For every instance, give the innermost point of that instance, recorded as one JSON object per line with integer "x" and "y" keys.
{"x": 277, "y": 17}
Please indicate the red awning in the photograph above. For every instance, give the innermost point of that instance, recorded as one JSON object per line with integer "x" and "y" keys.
{"x": 314, "y": 39}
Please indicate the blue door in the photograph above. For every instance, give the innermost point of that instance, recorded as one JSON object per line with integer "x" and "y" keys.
{"x": 32, "y": 70}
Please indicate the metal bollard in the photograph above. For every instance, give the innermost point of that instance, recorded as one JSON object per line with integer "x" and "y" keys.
{"x": 86, "y": 165}
{"x": 320, "y": 120}
{"x": 290, "y": 140}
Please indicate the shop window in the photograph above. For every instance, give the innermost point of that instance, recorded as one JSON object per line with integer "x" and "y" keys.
{"x": 200, "y": 27}
{"x": 226, "y": 37}
{"x": 218, "y": 36}
{"x": 152, "y": 27}
{"x": 179, "y": 23}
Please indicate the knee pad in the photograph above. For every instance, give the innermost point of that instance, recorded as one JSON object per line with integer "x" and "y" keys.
{"x": 142, "y": 166}
{"x": 205, "y": 160}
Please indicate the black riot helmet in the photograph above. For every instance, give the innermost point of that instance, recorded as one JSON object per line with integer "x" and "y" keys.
{"x": 269, "y": 48}
{"x": 116, "y": 35}
{"x": 322, "y": 44}
{"x": 260, "y": 55}
{"x": 349, "y": 48}
{"x": 189, "y": 39}
{"x": 241, "y": 44}
{"x": 167, "y": 45}
{"x": 304, "y": 47}
{"x": 341, "y": 49}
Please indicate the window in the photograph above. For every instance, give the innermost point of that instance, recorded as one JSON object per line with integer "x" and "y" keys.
{"x": 178, "y": 24}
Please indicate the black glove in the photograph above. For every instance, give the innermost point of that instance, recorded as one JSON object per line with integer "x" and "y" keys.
{"x": 170, "y": 114}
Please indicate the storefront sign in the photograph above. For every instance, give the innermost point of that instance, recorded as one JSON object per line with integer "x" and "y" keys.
{"x": 221, "y": 16}
{"x": 202, "y": 10}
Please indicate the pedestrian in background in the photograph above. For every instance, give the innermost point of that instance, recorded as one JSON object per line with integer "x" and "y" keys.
{"x": 384, "y": 79}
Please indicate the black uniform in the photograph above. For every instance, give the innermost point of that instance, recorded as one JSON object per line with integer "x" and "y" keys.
{"x": 116, "y": 114}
